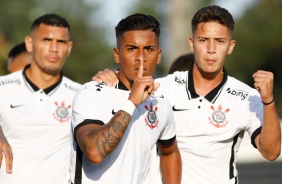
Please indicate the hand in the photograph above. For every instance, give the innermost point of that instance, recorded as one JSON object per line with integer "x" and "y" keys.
{"x": 5, "y": 151}
{"x": 107, "y": 76}
{"x": 263, "y": 82}
{"x": 143, "y": 87}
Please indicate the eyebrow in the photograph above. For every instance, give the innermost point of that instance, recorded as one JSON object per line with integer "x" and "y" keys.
{"x": 202, "y": 37}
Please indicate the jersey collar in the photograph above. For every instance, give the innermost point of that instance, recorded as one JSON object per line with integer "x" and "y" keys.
{"x": 121, "y": 86}
{"x": 212, "y": 94}
{"x": 35, "y": 88}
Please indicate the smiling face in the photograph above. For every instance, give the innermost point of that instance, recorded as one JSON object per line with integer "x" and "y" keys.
{"x": 50, "y": 46}
{"x": 211, "y": 42}
{"x": 134, "y": 47}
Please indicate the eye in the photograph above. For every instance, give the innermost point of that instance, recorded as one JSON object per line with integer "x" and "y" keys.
{"x": 62, "y": 41}
{"x": 202, "y": 39}
{"x": 149, "y": 48}
{"x": 47, "y": 39}
{"x": 220, "y": 41}
{"x": 131, "y": 48}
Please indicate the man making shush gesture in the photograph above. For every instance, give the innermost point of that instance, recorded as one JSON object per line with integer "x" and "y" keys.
{"x": 117, "y": 127}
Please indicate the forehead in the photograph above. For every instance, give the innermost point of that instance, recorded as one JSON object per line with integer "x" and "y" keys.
{"x": 51, "y": 31}
{"x": 212, "y": 28}
{"x": 136, "y": 37}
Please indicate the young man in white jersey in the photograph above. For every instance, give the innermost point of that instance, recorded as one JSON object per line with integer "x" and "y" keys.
{"x": 213, "y": 110}
{"x": 116, "y": 128}
{"x": 36, "y": 107}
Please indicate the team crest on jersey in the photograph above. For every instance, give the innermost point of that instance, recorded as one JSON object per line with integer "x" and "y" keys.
{"x": 218, "y": 116}
{"x": 62, "y": 112}
{"x": 151, "y": 117}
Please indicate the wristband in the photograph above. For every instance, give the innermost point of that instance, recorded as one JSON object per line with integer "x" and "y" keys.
{"x": 268, "y": 102}
{"x": 128, "y": 107}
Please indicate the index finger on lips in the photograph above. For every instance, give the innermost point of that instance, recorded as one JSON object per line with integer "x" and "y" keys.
{"x": 140, "y": 70}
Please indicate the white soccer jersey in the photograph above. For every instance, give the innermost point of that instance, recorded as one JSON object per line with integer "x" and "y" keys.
{"x": 37, "y": 124}
{"x": 130, "y": 162}
{"x": 209, "y": 129}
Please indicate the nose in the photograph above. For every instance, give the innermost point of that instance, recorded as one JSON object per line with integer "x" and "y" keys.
{"x": 211, "y": 47}
{"x": 54, "y": 46}
{"x": 140, "y": 56}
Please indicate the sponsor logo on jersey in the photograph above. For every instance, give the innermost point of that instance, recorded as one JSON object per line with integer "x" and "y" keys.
{"x": 70, "y": 87}
{"x": 151, "y": 118}
{"x": 218, "y": 116}
{"x": 100, "y": 86}
{"x": 10, "y": 81}
{"x": 239, "y": 93}
{"x": 176, "y": 109}
{"x": 179, "y": 80}
{"x": 62, "y": 112}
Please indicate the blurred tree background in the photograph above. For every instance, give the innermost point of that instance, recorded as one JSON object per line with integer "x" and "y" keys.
{"x": 258, "y": 46}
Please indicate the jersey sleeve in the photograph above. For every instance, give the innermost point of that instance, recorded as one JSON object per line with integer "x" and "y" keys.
{"x": 87, "y": 105}
{"x": 255, "y": 116}
{"x": 169, "y": 131}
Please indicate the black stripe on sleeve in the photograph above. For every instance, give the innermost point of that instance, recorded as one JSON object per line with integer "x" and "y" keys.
{"x": 254, "y": 135}
{"x": 78, "y": 166}
{"x": 168, "y": 141}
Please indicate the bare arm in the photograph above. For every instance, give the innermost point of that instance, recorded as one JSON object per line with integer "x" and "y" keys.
{"x": 269, "y": 140}
{"x": 171, "y": 164}
{"x": 5, "y": 151}
{"x": 96, "y": 142}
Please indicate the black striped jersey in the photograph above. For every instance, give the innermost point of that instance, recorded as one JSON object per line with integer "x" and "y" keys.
{"x": 130, "y": 162}
{"x": 209, "y": 129}
{"x": 37, "y": 124}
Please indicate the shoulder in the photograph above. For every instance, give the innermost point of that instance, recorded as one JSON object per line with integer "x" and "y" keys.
{"x": 171, "y": 83}
{"x": 70, "y": 84}
{"x": 92, "y": 88}
{"x": 10, "y": 80}
{"x": 234, "y": 83}
{"x": 239, "y": 89}
{"x": 175, "y": 78}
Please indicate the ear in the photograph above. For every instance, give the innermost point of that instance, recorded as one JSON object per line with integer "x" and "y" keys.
{"x": 69, "y": 47}
{"x": 231, "y": 47}
{"x": 116, "y": 55}
{"x": 191, "y": 44}
{"x": 28, "y": 43}
{"x": 159, "y": 56}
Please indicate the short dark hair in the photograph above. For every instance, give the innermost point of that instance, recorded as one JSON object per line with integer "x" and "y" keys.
{"x": 213, "y": 14}
{"x": 17, "y": 50}
{"x": 52, "y": 20}
{"x": 138, "y": 21}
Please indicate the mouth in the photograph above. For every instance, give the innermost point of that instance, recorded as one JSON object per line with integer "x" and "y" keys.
{"x": 137, "y": 69}
{"x": 53, "y": 59}
{"x": 210, "y": 61}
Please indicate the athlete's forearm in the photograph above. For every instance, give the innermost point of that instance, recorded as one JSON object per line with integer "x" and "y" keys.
{"x": 171, "y": 164}
{"x": 97, "y": 143}
{"x": 270, "y": 137}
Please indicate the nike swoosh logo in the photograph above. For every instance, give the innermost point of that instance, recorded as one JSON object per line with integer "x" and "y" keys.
{"x": 113, "y": 112}
{"x": 15, "y": 106}
{"x": 174, "y": 109}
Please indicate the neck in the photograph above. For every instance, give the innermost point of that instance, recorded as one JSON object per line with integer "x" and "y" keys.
{"x": 40, "y": 79}
{"x": 206, "y": 82}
